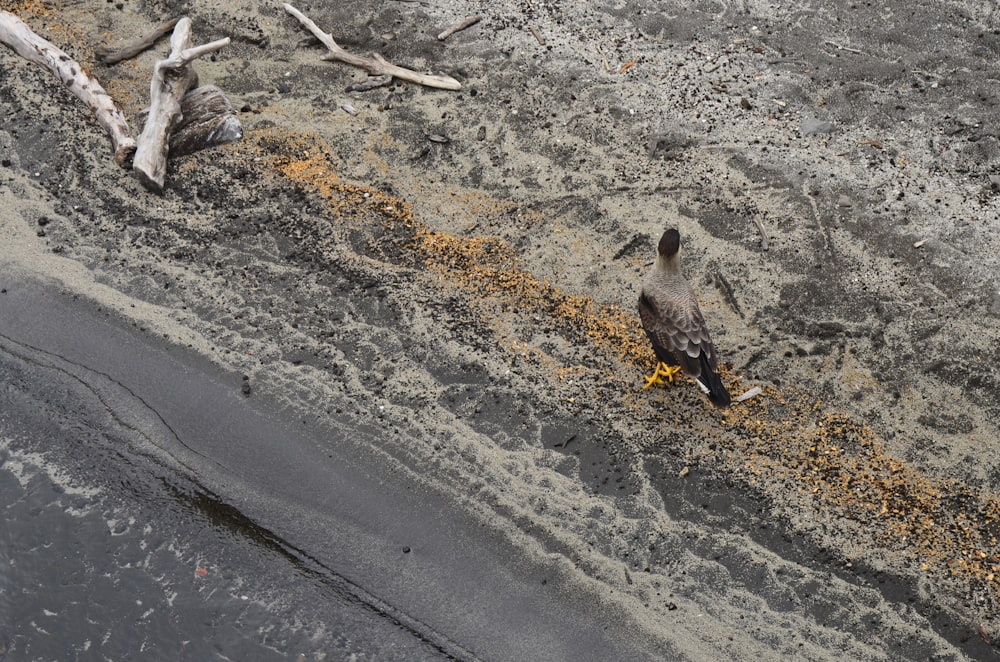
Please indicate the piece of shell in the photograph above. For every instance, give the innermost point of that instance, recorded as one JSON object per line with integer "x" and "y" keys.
{"x": 918, "y": 244}
{"x": 349, "y": 109}
{"x": 752, "y": 393}
{"x": 437, "y": 138}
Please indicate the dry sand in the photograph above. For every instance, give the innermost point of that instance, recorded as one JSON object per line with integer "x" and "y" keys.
{"x": 475, "y": 298}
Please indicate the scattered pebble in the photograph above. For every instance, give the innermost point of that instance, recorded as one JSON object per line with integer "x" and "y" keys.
{"x": 812, "y": 126}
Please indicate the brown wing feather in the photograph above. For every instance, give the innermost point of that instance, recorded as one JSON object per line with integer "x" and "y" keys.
{"x": 678, "y": 329}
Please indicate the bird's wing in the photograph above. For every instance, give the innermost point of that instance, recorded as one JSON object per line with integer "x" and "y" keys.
{"x": 677, "y": 330}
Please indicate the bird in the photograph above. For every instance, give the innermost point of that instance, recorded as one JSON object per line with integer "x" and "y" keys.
{"x": 675, "y": 326}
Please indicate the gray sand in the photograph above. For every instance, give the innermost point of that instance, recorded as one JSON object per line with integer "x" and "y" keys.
{"x": 474, "y": 300}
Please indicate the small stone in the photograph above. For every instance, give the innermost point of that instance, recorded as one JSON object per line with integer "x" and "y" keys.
{"x": 812, "y": 126}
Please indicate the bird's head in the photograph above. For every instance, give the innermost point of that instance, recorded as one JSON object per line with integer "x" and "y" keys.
{"x": 668, "y": 250}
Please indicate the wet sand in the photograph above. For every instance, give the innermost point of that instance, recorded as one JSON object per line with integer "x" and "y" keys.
{"x": 461, "y": 315}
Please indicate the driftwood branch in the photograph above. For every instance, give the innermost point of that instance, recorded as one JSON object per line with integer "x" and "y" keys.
{"x": 458, "y": 26}
{"x": 129, "y": 51}
{"x": 375, "y": 65}
{"x": 19, "y": 37}
{"x": 172, "y": 78}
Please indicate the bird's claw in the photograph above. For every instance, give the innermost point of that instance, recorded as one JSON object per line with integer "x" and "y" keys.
{"x": 662, "y": 370}
{"x": 652, "y": 380}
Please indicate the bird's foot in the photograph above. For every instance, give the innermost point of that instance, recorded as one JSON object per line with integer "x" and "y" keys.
{"x": 662, "y": 370}
{"x": 652, "y": 380}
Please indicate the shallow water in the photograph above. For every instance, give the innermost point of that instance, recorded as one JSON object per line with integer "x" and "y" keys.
{"x": 115, "y": 449}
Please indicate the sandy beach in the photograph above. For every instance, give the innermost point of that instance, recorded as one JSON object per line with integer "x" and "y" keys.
{"x": 405, "y": 319}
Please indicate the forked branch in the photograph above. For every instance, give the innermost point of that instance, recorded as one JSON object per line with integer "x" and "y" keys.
{"x": 375, "y": 65}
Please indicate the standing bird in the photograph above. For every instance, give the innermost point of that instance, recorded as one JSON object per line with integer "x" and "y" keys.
{"x": 674, "y": 323}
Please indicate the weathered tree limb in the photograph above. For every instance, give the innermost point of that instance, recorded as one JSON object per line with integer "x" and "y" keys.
{"x": 172, "y": 78}
{"x": 19, "y": 37}
{"x": 116, "y": 55}
{"x": 458, "y": 26}
{"x": 376, "y": 65}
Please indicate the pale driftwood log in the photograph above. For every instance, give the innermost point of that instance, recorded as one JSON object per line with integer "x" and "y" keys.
{"x": 375, "y": 65}
{"x": 115, "y": 55}
{"x": 458, "y": 26}
{"x": 171, "y": 80}
{"x": 19, "y": 37}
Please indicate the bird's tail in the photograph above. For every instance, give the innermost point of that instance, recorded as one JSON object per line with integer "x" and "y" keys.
{"x": 718, "y": 395}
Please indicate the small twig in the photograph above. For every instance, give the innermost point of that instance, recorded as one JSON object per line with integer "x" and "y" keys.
{"x": 844, "y": 48}
{"x": 752, "y": 393}
{"x": 458, "y": 26}
{"x": 376, "y": 65}
{"x": 763, "y": 235}
{"x": 115, "y": 55}
{"x": 607, "y": 65}
{"x": 538, "y": 35}
{"x": 16, "y": 34}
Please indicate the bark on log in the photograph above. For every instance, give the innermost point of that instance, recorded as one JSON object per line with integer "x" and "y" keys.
{"x": 19, "y": 37}
{"x": 207, "y": 120}
{"x": 376, "y": 65}
{"x": 172, "y": 78}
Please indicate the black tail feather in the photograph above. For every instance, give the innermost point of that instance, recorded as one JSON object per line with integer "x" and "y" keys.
{"x": 718, "y": 395}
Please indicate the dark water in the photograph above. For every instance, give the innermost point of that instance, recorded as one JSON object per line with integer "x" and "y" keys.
{"x": 107, "y": 552}
{"x": 153, "y": 511}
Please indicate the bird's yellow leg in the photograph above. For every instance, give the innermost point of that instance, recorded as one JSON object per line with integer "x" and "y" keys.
{"x": 662, "y": 370}
{"x": 668, "y": 371}
{"x": 653, "y": 380}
